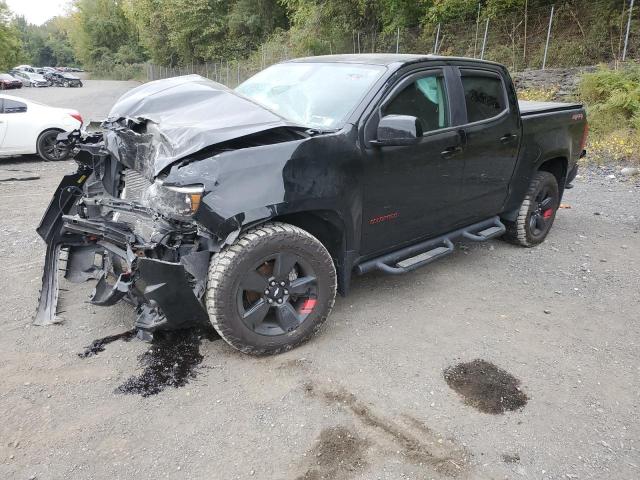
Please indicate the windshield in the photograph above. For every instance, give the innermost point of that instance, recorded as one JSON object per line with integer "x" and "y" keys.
{"x": 4, "y": 76}
{"x": 318, "y": 95}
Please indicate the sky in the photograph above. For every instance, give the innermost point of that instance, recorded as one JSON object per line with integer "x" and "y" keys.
{"x": 37, "y": 11}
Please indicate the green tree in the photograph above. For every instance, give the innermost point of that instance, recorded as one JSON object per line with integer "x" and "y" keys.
{"x": 10, "y": 47}
{"x": 100, "y": 28}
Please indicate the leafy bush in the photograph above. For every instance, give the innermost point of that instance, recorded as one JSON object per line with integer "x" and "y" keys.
{"x": 115, "y": 71}
{"x": 612, "y": 98}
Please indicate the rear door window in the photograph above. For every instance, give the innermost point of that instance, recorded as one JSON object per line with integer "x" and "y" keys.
{"x": 484, "y": 96}
{"x": 11, "y": 106}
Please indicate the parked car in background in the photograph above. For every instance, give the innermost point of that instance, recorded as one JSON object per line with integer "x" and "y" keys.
{"x": 63, "y": 79}
{"x": 7, "y": 82}
{"x": 25, "y": 68}
{"x": 28, "y": 127}
{"x": 29, "y": 79}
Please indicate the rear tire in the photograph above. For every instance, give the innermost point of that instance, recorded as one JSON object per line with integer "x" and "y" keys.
{"x": 537, "y": 212}
{"x": 48, "y": 150}
{"x": 271, "y": 290}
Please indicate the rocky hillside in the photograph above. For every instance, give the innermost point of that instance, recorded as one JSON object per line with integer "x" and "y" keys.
{"x": 559, "y": 83}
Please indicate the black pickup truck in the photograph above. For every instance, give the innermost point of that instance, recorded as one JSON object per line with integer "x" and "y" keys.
{"x": 249, "y": 208}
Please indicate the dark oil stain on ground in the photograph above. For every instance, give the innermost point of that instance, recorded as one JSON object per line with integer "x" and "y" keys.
{"x": 423, "y": 448}
{"x": 486, "y": 387}
{"x": 338, "y": 453}
{"x": 171, "y": 361}
{"x": 98, "y": 345}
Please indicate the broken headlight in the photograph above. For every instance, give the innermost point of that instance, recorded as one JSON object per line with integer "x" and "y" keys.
{"x": 180, "y": 202}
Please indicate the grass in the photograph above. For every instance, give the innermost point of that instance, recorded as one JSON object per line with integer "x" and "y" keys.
{"x": 612, "y": 98}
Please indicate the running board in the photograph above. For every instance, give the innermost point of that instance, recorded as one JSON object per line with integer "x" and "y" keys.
{"x": 415, "y": 256}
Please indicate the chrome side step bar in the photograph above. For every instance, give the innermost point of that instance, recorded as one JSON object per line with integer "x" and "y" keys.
{"x": 415, "y": 256}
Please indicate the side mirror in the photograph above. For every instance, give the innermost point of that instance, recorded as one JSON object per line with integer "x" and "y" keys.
{"x": 398, "y": 130}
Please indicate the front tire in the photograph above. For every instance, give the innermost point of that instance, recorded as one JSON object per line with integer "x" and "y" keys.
{"x": 271, "y": 290}
{"x": 48, "y": 149}
{"x": 537, "y": 212}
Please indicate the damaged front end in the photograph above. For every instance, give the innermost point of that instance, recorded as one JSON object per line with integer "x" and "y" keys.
{"x": 154, "y": 197}
{"x": 99, "y": 223}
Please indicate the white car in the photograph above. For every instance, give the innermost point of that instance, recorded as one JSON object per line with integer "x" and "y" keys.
{"x": 28, "y": 127}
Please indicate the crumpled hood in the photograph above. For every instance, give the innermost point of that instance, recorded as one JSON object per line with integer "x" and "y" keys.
{"x": 160, "y": 122}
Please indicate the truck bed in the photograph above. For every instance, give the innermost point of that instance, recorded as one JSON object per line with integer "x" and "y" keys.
{"x": 528, "y": 108}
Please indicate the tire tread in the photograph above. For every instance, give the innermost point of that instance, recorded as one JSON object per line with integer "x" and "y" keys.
{"x": 221, "y": 274}
{"x": 517, "y": 231}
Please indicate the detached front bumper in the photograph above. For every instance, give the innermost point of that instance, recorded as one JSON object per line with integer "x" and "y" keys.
{"x": 166, "y": 294}
{"x": 163, "y": 279}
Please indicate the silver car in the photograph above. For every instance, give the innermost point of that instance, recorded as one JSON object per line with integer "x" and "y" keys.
{"x": 31, "y": 79}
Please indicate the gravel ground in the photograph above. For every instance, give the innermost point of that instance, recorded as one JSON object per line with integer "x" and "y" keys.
{"x": 365, "y": 399}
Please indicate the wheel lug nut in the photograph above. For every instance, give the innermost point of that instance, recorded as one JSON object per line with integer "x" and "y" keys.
{"x": 279, "y": 300}
{"x": 273, "y": 284}
{"x": 286, "y": 292}
{"x": 282, "y": 284}
{"x": 269, "y": 300}
{"x": 266, "y": 292}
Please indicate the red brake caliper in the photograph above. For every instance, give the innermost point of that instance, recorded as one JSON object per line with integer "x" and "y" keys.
{"x": 547, "y": 213}
{"x": 308, "y": 305}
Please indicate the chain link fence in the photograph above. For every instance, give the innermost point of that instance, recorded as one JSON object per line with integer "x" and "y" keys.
{"x": 557, "y": 36}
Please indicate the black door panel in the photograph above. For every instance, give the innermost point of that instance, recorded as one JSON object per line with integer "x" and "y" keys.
{"x": 492, "y": 143}
{"x": 413, "y": 191}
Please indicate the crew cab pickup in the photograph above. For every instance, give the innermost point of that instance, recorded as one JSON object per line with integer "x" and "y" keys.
{"x": 248, "y": 208}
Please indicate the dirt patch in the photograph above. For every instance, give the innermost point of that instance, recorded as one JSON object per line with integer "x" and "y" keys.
{"x": 421, "y": 446}
{"x": 172, "y": 361}
{"x": 294, "y": 364}
{"x": 486, "y": 387}
{"x": 338, "y": 453}
{"x": 510, "y": 457}
{"x": 98, "y": 345}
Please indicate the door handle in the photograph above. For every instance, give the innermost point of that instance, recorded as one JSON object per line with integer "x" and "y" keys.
{"x": 509, "y": 137}
{"x": 450, "y": 152}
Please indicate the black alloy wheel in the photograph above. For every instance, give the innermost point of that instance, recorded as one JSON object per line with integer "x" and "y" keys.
{"x": 270, "y": 290}
{"x": 537, "y": 212}
{"x": 49, "y": 149}
{"x": 277, "y": 296}
{"x": 542, "y": 212}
